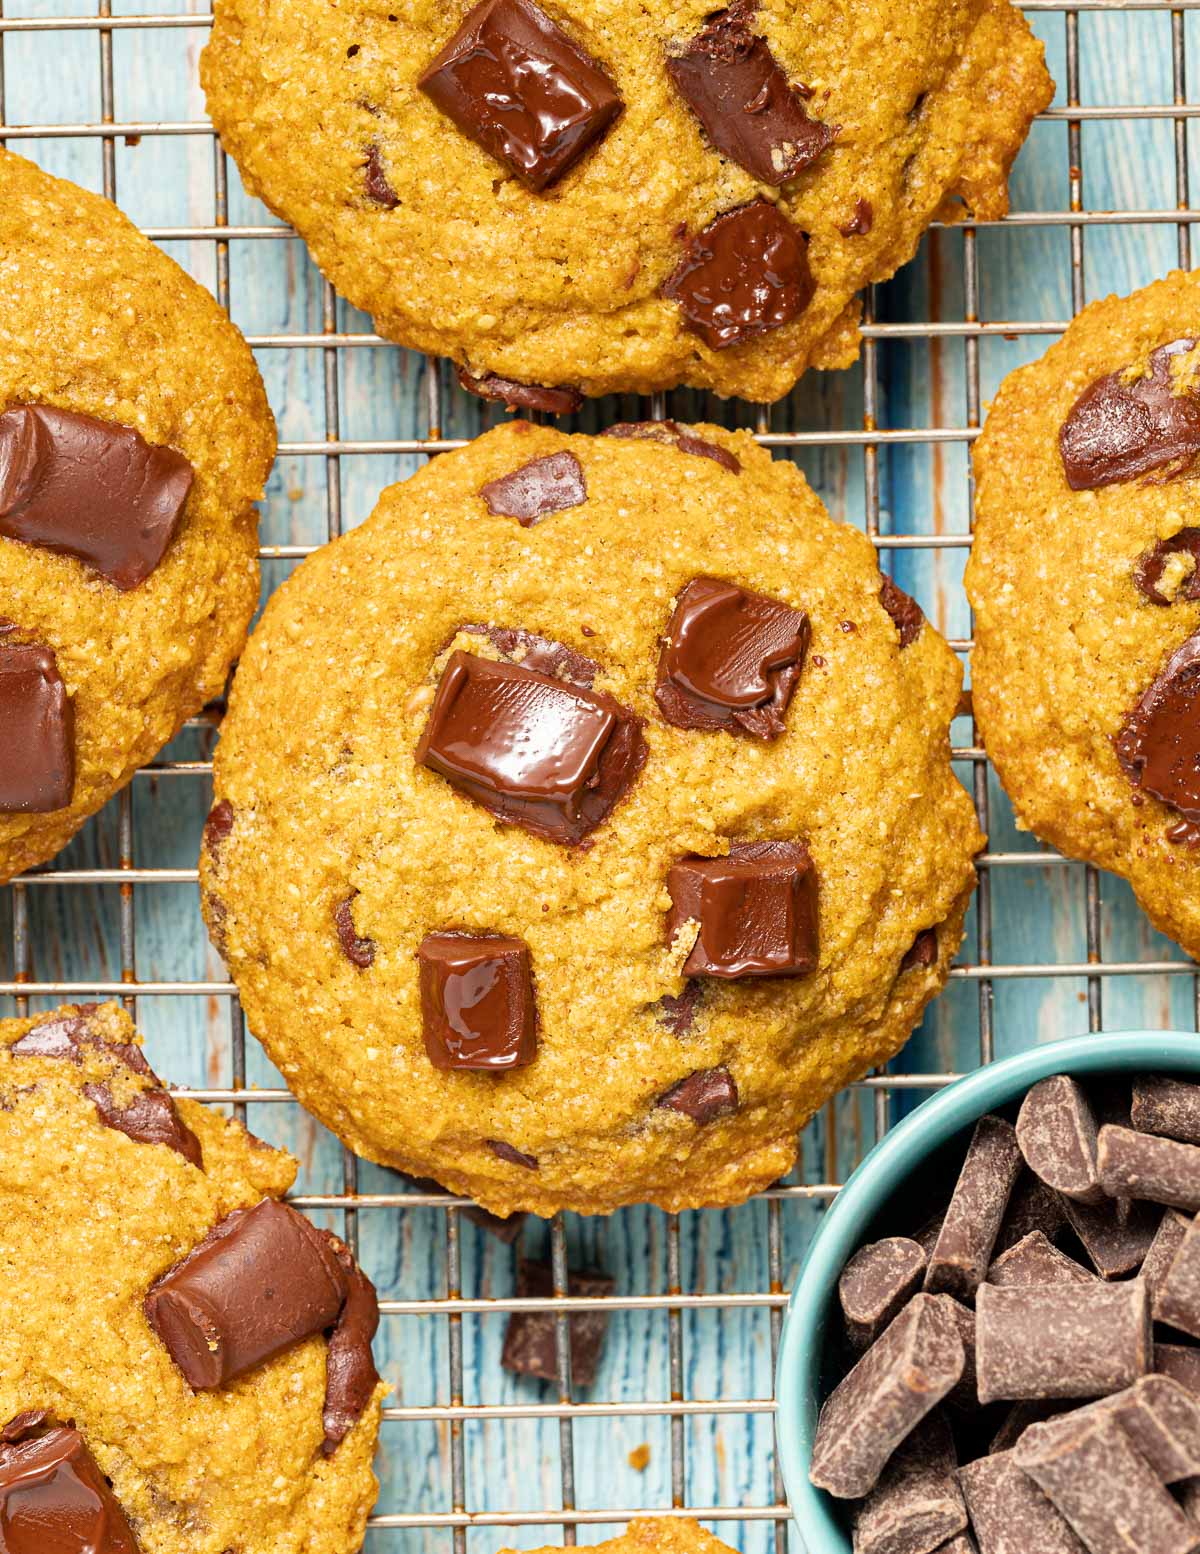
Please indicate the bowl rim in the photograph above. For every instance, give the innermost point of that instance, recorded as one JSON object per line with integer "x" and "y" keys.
{"x": 886, "y": 1165}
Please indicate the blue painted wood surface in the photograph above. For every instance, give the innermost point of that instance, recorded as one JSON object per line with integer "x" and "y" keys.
{"x": 1037, "y": 912}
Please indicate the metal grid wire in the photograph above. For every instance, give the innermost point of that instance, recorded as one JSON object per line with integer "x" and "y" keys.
{"x": 981, "y": 968}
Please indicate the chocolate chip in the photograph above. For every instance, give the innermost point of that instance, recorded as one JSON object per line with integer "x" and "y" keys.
{"x": 736, "y": 88}
{"x": 148, "y": 1117}
{"x": 58, "y": 1036}
{"x": 477, "y": 1004}
{"x": 703, "y": 1096}
{"x": 1152, "y": 563}
{"x": 1115, "y": 1246}
{"x": 923, "y": 951}
{"x": 730, "y": 660}
{"x": 260, "y": 1281}
{"x": 1158, "y": 745}
{"x": 548, "y": 485}
{"x": 90, "y": 489}
{"x": 745, "y": 274}
{"x": 862, "y": 220}
{"x": 676, "y": 436}
{"x": 511, "y": 1154}
{"x": 217, "y": 827}
{"x": 53, "y": 1497}
{"x": 756, "y": 907}
{"x": 359, "y": 951}
{"x": 535, "y": 752}
{"x": 521, "y": 396}
{"x": 350, "y": 1374}
{"x": 1122, "y": 426}
{"x": 517, "y": 85}
{"x": 517, "y": 646}
{"x": 378, "y": 187}
{"x": 24, "y": 1425}
{"x": 679, "y": 1014}
{"x": 1036, "y": 1342}
{"x": 529, "y": 1339}
{"x": 906, "y": 613}
{"x": 37, "y": 754}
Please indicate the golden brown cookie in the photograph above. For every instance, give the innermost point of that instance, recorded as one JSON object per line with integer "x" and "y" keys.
{"x": 654, "y": 1535}
{"x": 144, "y": 1246}
{"x": 493, "y": 757}
{"x": 135, "y": 437}
{"x": 1087, "y": 600}
{"x": 673, "y": 193}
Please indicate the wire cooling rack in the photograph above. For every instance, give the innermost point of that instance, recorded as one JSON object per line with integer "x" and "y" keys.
{"x": 470, "y": 1458}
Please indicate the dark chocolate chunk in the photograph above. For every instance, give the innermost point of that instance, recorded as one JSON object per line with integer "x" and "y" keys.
{"x": 906, "y": 613}
{"x": 1162, "y": 1420}
{"x": 517, "y": 646}
{"x": 679, "y": 1014}
{"x": 533, "y": 751}
{"x": 378, "y": 187}
{"x": 529, "y": 1339}
{"x": 358, "y": 950}
{"x": 877, "y": 1281}
{"x": 861, "y": 221}
{"x": 1056, "y": 1130}
{"x": 520, "y": 396}
{"x": 1181, "y": 1363}
{"x": 1158, "y": 745}
{"x": 148, "y": 1117}
{"x": 1009, "y": 1513}
{"x": 350, "y": 1374}
{"x": 703, "y": 1096}
{"x": 751, "y": 113}
{"x": 1115, "y": 1245}
{"x": 676, "y": 436}
{"x": 745, "y": 274}
{"x": 756, "y": 909}
{"x": 1139, "y": 1165}
{"x": 923, "y": 951}
{"x": 512, "y": 1154}
{"x": 1035, "y": 1260}
{"x": 1021, "y": 1415}
{"x": 260, "y": 1281}
{"x": 1038, "y": 1341}
{"x": 730, "y": 660}
{"x": 965, "y": 1392}
{"x": 37, "y": 753}
{"x": 917, "y": 1503}
{"x": 55, "y": 1500}
{"x": 1168, "y": 1107}
{"x": 477, "y": 1004}
{"x": 30, "y": 1422}
{"x": 1177, "y": 1296}
{"x": 57, "y": 1036}
{"x": 89, "y": 489}
{"x": 517, "y": 85}
{"x": 506, "y": 1230}
{"x": 1033, "y": 1206}
{"x": 1152, "y": 563}
{"x": 963, "y": 1250}
{"x": 546, "y": 485}
{"x": 217, "y": 827}
{"x": 1123, "y": 425}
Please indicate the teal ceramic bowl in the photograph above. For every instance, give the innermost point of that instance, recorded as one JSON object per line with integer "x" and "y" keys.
{"x": 915, "y": 1163}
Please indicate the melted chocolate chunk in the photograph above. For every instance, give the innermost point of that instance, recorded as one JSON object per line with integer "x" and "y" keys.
{"x": 89, "y": 489}
{"x": 1158, "y": 745}
{"x": 517, "y": 85}
{"x": 37, "y": 752}
{"x": 923, "y": 951}
{"x": 757, "y": 911}
{"x": 1117, "y": 430}
{"x": 148, "y": 1117}
{"x": 260, "y": 1281}
{"x": 676, "y": 436}
{"x": 350, "y": 1374}
{"x": 378, "y": 187}
{"x": 518, "y": 646}
{"x": 906, "y": 613}
{"x": 679, "y": 1014}
{"x": 862, "y": 220}
{"x": 737, "y": 89}
{"x": 59, "y": 1036}
{"x": 530, "y": 1348}
{"x": 24, "y": 1425}
{"x": 704, "y": 1096}
{"x": 745, "y": 274}
{"x": 217, "y": 828}
{"x": 54, "y": 1498}
{"x": 548, "y": 485}
{"x": 514, "y": 1156}
{"x": 520, "y": 396}
{"x": 477, "y": 1003}
{"x": 533, "y": 751}
{"x": 359, "y": 951}
{"x": 1151, "y": 564}
{"x": 730, "y": 660}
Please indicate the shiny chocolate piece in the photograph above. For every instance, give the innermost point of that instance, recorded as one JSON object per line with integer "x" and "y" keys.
{"x": 530, "y": 1346}
{"x": 923, "y": 951}
{"x": 756, "y": 907}
{"x": 1139, "y": 1165}
{"x": 37, "y": 752}
{"x": 90, "y": 489}
{"x": 963, "y": 1250}
{"x": 511, "y": 1154}
{"x": 260, "y": 1281}
{"x": 906, "y": 613}
{"x": 358, "y": 951}
{"x": 703, "y": 1096}
{"x": 518, "y": 646}
{"x": 55, "y": 1500}
{"x": 734, "y": 85}
{"x": 148, "y": 1117}
{"x": 876, "y": 1284}
{"x": 917, "y": 1504}
{"x": 1122, "y": 426}
{"x": 58, "y": 1036}
{"x": 676, "y": 436}
{"x": 861, "y": 221}
{"x": 378, "y": 188}
{"x": 547, "y": 485}
{"x": 350, "y": 1374}
{"x": 1043, "y": 1341}
{"x": 217, "y": 827}
{"x": 533, "y": 751}
{"x": 22, "y": 1426}
{"x": 1056, "y": 1129}
{"x": 1158, "y": 745}
{"x": 520, "y": 396}
{"x": 1148, "y": 573}
{"x": 745, "y": 274}
{"x": 517, "y": 85}
{"x": 730, "y": 660}
{"x": 477, "y": 1003}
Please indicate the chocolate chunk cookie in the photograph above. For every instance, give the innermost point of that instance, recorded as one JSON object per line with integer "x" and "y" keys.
{"x": 185, "y": 1360}
{"x": 574, "y": 199}
{"x": 576, "y": 863}
{"x": 1084, "y": 580}
{"x": 135, "y": 437}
